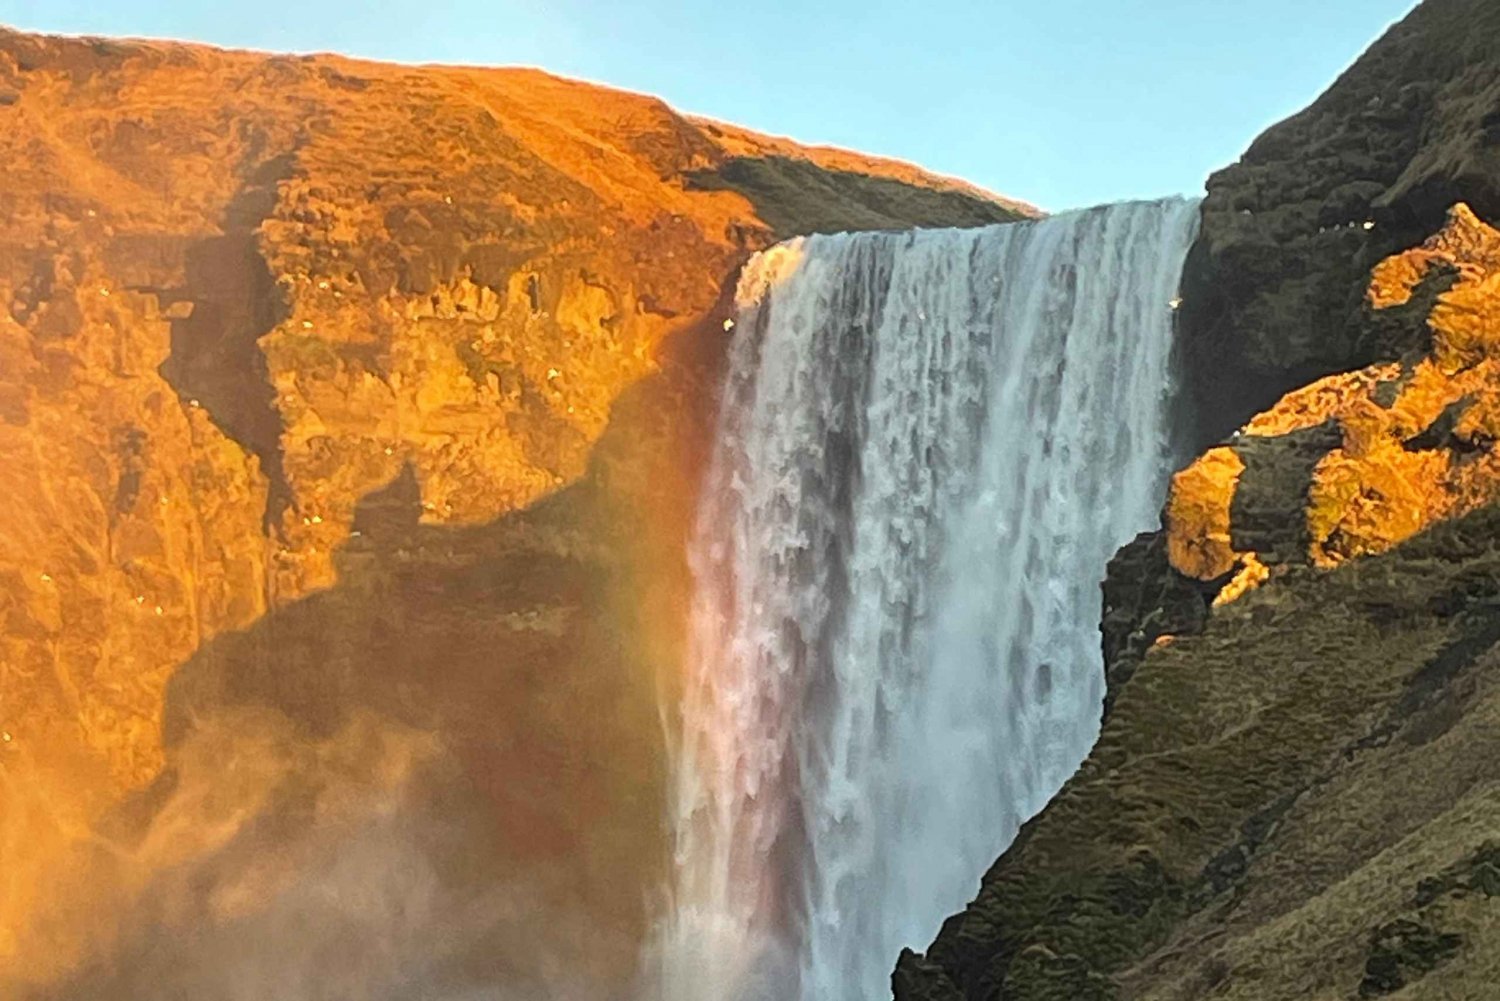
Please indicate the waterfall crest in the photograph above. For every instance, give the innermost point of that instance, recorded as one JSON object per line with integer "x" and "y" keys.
{"x": 930, "y": 444}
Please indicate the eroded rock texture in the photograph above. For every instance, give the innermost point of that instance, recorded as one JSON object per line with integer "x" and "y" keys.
{"x": 350, "y": 418}
{"x": 1353, "y": 464}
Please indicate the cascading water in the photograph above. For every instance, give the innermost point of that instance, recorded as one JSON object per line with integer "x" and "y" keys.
{"x": 929, "y": 446}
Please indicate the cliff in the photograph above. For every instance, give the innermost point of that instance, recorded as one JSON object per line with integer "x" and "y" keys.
{"x": 1293, "y": 795}
{"x": 1273, "y": 292}
{"x": 350, "y": 416}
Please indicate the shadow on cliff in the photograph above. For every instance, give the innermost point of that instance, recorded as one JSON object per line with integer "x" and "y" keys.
{"x": 443, "y": 774}
{"x": 216, "y": 360}
{"x": 796, "y": 196}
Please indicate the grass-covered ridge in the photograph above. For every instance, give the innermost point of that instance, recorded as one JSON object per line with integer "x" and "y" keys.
{"x": 1266, "y": 798}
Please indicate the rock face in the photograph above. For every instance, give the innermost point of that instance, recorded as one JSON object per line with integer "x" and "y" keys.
{"x": 1273, "y": 289}
{"x": 1353, "y": 464}
{"x": 1294, "y": 793}
{"x": 351, "y": 417}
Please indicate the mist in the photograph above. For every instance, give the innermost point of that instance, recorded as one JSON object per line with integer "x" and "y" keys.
{"x": 265, "y": 865}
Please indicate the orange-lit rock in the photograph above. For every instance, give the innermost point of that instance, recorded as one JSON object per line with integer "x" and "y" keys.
{"x": 333, "y": 391}
{"x": 1417, "y": 439}
{"x": 1197, "y": 515}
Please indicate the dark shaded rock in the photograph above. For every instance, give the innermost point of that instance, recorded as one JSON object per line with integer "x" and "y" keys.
{"x": 795, "y": 195}
{"x": 1273, "y": 288}
{"x": 1225, "y": 869}
{"x": 1442, "y": 433}
{"x": 1145, "y": 598}
{"x": 919, "y": 979}
{"x": 1402, "y": 331}
{"x": 1480, "y": 873}
{"x": 1265, "y": 515}
{"x": 1401, "y": 952}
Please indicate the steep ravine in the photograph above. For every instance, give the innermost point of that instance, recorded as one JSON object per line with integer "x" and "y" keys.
{"x": 1294, "y": 794}
{"x": 351, "y": 417}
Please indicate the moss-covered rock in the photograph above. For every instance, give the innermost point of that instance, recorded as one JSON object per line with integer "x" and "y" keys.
{"x": 1401, "y": 952}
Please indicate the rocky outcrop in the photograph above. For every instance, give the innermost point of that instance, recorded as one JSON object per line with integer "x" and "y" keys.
{"x": 1273, "y": 289}
{"x": 350, "y": 416}
{"x": 1347, "y": 466}
{"x": 1355, "y": 463}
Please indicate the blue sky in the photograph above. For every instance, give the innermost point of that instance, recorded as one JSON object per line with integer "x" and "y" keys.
{"x": 1061, "y": 102}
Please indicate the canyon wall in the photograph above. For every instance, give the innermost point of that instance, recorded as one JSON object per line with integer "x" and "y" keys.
{"x": 1294, "y": 793}
{"x": 351, "y": 417}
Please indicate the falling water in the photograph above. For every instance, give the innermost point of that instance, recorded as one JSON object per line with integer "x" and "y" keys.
{"x": 930, "y": 444}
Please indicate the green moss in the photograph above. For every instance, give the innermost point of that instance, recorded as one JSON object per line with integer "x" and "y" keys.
{"x": 1046, "y": 977}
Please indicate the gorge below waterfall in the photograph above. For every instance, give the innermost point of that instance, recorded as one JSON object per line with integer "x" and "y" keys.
{"x": 929, "y": 445}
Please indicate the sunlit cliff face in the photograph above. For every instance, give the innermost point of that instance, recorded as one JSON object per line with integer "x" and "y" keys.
{"x": 351, "y": 418}
{"x": 321, "y": 638}
{"x": 443, "y": 769}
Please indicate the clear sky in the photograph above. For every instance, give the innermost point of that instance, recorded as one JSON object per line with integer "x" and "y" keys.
{"x": 1060, "y": 102}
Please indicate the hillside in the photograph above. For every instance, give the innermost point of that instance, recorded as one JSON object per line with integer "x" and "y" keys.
{"x": 351, "y": 415}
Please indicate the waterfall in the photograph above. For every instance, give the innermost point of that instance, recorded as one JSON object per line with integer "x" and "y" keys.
{"x": 930, "y": 443}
